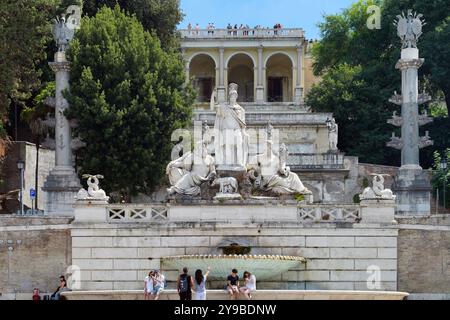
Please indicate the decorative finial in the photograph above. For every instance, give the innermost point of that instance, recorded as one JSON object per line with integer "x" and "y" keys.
{"x": 65, "y": 25}
{"x": 409, "y": 28}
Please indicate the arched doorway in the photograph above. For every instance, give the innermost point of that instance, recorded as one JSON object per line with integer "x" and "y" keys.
{"x": 203, "y": 71}
{"x": 241, "y": 71}
{"x": 279, "y": 79}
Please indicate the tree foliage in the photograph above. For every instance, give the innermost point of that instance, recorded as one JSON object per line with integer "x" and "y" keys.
{"x": 441, "y": 177}
{"x": 128, "y": 96}
{"x": 361, "y": 62}
{"x": 161, "y": 16}
{"x": 25, "y": 31}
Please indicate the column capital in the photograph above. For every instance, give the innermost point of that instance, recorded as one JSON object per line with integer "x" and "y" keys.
{"x": 403, "y": 64}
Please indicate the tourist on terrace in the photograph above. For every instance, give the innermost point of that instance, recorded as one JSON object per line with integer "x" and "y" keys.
{"x": 200, "y": 284}
{"x": 249, "y": 285}
{"x": 233, "y": 285}
{"x": 185, "y": 285}
{"x": 189, "y": 28}
{"x": 229, "y": 27}
{"x": 149, "y": 286}
{"x": 197, "y": 29}
{"x": 160, "y": 280}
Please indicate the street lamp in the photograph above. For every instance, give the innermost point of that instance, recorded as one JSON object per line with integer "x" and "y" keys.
{"x": 21, "y": 167}
{"x": 444, "y": 168}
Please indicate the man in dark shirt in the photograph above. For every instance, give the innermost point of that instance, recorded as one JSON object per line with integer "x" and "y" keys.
{"x": 184, "y": 285}
{"x": 233, "y": 285}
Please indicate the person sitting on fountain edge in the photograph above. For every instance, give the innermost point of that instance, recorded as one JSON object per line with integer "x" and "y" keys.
{"x": 233, "y": 285}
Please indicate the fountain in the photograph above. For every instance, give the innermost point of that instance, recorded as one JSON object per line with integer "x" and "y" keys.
{"x": 264, "y": 267}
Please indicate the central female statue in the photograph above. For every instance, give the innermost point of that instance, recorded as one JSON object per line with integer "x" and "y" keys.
{"x": 231, "y": 138}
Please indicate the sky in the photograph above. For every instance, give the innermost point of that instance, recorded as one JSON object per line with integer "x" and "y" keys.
{"x": 305, "y": 14}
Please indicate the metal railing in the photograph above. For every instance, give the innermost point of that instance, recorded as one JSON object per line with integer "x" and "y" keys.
{"x": 242, "y": 33}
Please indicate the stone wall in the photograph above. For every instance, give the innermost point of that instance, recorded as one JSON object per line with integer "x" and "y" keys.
{"x": 10, "y": 174}
{"x": 34, "y": 252}
{"x": 117, "y": 256}
{"x": 424, "y": 255}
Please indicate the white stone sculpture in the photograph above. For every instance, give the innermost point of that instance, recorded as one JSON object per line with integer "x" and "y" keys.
{"x": 227, "y": 185}
{"x": 378, "y": 191}
{"x": 273, "y": 174}
{"x": 94, "y": 192}
{"x": 231, "y": 139}
{"x": 189, "y": 172}
{"x": 333, "y": 132}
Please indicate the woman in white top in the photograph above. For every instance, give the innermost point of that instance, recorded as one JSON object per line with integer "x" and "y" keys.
{"x": 249, "y": 285}
{"x": 160, "y": 280}
{"x": 200, "y": 284}
{"x": 148, "y": 286}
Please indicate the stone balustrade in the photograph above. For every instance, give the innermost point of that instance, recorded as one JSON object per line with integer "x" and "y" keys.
{"x": 242, "y": 33}
{"x": 298, "y": 161}
{"x": 330, "y": 213}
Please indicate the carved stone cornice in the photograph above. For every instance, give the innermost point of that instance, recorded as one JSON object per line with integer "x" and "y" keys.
{"x": 395, "y": 143}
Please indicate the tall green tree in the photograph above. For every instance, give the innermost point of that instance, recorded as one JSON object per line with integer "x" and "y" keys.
{"x": 128, "y": 96}
{"x": 160, "y": 16}
{"x": 348, "y": 44}
{"x": 25, "y": 31}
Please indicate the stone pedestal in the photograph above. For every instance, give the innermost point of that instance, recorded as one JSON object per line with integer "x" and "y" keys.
{"x": 413, "y": 189}
{"x": 378, "y": 211}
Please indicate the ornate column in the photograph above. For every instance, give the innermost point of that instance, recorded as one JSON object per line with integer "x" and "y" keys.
{"x": 412, "y": 184}
{"x": 298, "y": 95}
{"x": 62, "y": 184}
{"x": 260, "y": 78}
{"x": 221, "y": 94}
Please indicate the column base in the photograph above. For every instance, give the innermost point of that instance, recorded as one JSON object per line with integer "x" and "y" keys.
{"x": 298, "y": 96}
{"x": 61, "y": 186}
{"x": 259, "y": 94}
{"x": 221, "y": 95}
{"x": 413, "y": 190}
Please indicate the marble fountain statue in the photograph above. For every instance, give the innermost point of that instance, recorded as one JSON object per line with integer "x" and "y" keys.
{"x": 230, "y": 166}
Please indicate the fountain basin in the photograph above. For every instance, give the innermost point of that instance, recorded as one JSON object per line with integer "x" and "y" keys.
{"x": 259, "y": 295}
{"x": 264, "y": 267}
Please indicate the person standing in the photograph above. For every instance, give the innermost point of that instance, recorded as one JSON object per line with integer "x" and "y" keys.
{"x": 200, "y": 284}
{"x": 184, "y": 285}
{"x": 233, "y": 285}
{"x": 249, "y": 285}
{"x": 149, "y": 286}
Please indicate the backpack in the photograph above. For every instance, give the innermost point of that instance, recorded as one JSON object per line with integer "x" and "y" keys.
{"x": 184, "y": 283}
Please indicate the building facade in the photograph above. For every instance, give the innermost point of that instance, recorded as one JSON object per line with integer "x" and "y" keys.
{"x": 269, "y": 65}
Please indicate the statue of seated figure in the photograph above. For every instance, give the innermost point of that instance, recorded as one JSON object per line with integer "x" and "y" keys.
{"x": 189, "y": 172}
{"x": 273, "y": 173}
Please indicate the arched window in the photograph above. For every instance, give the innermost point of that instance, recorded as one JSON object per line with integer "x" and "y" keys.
{"x": 241, "y": 71}
{"x": 203, "y": 71}
{"x": 279, "y": 71}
